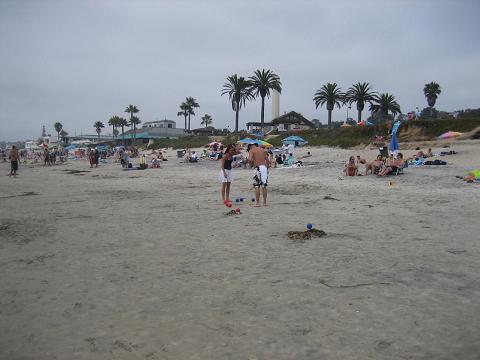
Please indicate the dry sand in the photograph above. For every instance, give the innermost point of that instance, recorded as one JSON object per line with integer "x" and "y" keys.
{"x": 112, "y": 264}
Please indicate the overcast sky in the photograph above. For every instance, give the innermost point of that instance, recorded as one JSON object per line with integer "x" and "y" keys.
{"x": 78, "y": 62}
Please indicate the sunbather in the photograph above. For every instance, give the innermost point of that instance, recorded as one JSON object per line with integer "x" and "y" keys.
{"x": 397, "y": 163}
{"x": 375, "y": 166}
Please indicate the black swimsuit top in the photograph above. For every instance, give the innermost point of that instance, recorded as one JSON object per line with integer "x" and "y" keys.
{"x": 228, "y": 164}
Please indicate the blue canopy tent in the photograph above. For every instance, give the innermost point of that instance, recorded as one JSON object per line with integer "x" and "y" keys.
{"x": 295, "y": 140}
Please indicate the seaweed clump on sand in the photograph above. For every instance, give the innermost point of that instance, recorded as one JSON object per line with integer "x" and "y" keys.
{"x": 305, "y": 235}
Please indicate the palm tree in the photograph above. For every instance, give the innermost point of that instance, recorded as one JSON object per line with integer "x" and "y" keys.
{"x": 134, "y": 120}
{"x": 122, "y": 123}
{"x": 239, "y": 90}
{"x": 113, "y": 122}
{"x": 132, "y": 109}
{"x": 192, "y": 104}
{"x": 206, "y": 120}
{"x": 262, "y": 82}
{"x": 98, "y": 128}
{"x": 385, "y": 103}
{"x": 431, "y": 91}
{"x": 58, "y": 127}
{"x": 331, "y": 95}
{"x": 184, "y": 107}
{"x": 63, "y": 134}
{"x": 359, "y": 93}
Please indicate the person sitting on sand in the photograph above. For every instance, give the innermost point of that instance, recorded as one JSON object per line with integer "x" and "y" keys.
{"x": 193, "y": 157}
{"x": 398, "y": 163}
{"x": 429, "y": 153}
{"x": 290, "y": 160}
{"x": 375, "y": 166}
{"x": 351, "y": 168}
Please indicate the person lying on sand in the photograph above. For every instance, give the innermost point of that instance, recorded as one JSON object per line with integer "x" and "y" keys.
{"x": 375, "y": 166}
{"x": 394, "y": 166}
{"x": 351, "y": 168}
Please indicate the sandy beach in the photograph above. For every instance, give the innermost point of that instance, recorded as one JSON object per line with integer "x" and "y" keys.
{"x": 112, "y": 264}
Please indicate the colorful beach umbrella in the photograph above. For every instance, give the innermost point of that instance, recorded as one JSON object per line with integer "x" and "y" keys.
{"x": 263, "y": 143}
{"x": 246, "y": 141}
{"x": 450, "y": 134}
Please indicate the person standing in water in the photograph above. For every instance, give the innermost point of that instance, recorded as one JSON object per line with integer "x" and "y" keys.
{"x": 258, "y": 158}
{"x": 13, "y": 161}
{"x": 226, "y": 175}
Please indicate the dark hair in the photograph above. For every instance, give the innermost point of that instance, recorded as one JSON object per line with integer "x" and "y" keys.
{"x": 400, "y": 155}
{"x": 231, "y": 146}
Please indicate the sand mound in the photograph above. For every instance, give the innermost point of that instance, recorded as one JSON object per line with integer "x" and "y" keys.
{"x": 305, "y": 235}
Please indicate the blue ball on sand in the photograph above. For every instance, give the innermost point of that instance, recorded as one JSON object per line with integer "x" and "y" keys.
{"x": 309, "y": 226}
{"x": 237, "y": 200}
{"x": 241, "y": 199}
{"x": 253, "y": 199}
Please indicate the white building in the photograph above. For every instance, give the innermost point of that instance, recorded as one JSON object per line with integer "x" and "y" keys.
{"x": 162, "y": 124}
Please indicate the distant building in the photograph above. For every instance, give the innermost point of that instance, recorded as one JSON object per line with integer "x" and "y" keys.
{"x": 256, "y": 127}
{"x": 161, "y": 124}
{"x": 292, "y": 121}
{"x": 206, "y": 131}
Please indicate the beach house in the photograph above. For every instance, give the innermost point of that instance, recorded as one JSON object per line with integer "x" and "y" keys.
{"x": 292, "y": 121}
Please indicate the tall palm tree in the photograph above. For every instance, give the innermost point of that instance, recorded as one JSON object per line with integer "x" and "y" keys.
{"x": 431, "y": 91}
{"x": 122, "y": 122}
{"x": 206, "y": 120}
{"x": 262, "y": 82}
{"x": 359, "y": 93}
{"x": 184, "y": 112}
{"x": 331, "y": 95}
{"x": 113, "y": 122}
{"x": 134, "y": 121}
{"x": 385, "y": 103}
{"x": 63, "y": 134}
{"x": 192, "y": 104}
{"x": 132, "y": 109}
{"x": 98, "y": 128}
{"x": 239, "y": 90}
{"x": 58, "y": 127}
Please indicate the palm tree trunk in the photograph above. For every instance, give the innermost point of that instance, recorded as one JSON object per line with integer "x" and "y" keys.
{"x": 123, "y": 136}
{"x": 236, "y": 118}
{"x": 359, "y": 115}
{"x": 134, "y": 134}
{"x": 188, "y": 122}
{"x": 262, "y": 117}
{"x": 185, "y": 122}
{"x": 329, "y": 119}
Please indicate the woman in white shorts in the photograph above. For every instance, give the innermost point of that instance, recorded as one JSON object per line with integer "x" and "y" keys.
{"x": 225, "y": 176}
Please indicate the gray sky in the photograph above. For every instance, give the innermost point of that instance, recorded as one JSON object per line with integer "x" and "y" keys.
{"x": 81, "y": 61}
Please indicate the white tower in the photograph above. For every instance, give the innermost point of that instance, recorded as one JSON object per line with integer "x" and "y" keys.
{"x": 275, "y": 104}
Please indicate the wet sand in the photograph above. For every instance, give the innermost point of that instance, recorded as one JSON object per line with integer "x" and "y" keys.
{"x": 113, "y": 264}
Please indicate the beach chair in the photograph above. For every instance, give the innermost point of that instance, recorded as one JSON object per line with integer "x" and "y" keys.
{"x": 383, "y": 151}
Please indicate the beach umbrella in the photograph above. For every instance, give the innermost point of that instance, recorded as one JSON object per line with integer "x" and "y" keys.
{"x": 263, "y": 143}
{"x": 450, "y": 134}
{"x": 247, "y": 141}
{"x": 294, "y": 138}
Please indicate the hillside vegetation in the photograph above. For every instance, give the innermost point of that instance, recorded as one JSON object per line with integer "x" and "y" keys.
{"x": 342, "y": 137}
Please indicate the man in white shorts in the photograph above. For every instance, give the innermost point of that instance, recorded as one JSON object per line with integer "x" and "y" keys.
{"x": 258, "y": 158}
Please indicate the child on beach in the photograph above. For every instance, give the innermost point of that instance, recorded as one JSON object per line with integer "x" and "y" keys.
{"x": 226, "y": 176}
{"x": 351, "y": 168}
{"x": 13, "y": 156}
